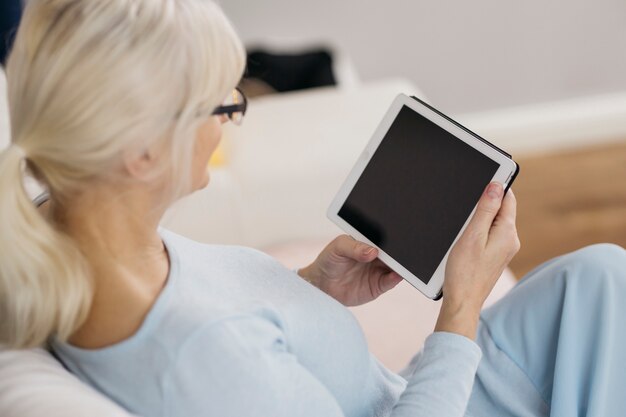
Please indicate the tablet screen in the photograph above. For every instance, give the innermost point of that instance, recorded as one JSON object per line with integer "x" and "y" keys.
{"x": 417, "y": 191}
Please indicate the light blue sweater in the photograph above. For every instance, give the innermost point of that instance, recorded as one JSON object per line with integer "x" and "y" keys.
{"x": 234, "y": 333}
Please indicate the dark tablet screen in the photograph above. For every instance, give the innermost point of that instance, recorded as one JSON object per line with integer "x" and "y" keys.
{"x": 416, "y": 192}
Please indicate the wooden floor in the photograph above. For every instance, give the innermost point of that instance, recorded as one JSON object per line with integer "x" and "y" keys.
{"x": 569, "y": 200}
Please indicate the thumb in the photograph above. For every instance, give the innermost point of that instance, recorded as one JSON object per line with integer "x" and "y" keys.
{"x": 348, "y": 247}
{"x": 389, "y": 281}
{"x": 487, "y": 209}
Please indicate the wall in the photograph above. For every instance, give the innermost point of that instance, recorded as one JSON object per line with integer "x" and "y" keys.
{"x": 465, "y": 55}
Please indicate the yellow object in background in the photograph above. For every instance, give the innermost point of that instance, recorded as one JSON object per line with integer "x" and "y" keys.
{"x": 218, "y": 158}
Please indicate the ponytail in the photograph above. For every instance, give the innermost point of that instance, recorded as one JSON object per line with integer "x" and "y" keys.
{"x": 45, "y": 286}
{"x": 87, "y": 82}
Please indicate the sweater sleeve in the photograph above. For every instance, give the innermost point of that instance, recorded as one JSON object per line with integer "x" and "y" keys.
{"x": 243, "y": 367}
{"x": 440, "y": 378}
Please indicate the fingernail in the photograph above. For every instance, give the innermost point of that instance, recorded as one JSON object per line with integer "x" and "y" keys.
{"x": 368, "y": 251}
{"x": 495, "y": 190}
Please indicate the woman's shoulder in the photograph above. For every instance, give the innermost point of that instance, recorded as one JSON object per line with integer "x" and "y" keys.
{"x": 217, "y": 286}
{"x": 235, "y": 269}
{"x": 185, "y": 245}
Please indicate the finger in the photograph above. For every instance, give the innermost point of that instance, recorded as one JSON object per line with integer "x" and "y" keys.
{"x": 486, "y": 210}
{"x": 504, "y": 232}
{"x": 347, "y": 247}
{"x": 508, "y": 210}
{"x": 389, "y": 281}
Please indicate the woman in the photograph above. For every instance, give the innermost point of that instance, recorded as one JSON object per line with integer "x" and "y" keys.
{"x": 116, "y": 108}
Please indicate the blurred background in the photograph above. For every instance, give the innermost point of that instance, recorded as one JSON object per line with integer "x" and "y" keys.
{"x": 465, "y": 56}
{"x": 546, "y": 80}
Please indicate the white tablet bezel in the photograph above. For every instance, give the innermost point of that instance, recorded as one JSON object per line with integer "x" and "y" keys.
{"x": 504, "y": 174}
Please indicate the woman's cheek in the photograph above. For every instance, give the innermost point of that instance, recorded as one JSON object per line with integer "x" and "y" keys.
{"x": 209, "y": 135}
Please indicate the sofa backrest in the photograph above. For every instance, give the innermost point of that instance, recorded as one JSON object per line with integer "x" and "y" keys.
{"x": 34, "y": 384}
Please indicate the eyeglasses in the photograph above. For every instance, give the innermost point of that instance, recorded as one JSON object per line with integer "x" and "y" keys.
{"x": 234, "y": 107}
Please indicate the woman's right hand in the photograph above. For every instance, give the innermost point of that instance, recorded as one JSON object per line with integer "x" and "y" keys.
{"x": 477, "y": 260}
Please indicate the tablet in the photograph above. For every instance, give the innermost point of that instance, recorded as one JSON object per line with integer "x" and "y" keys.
{"x": 415, "y": 187}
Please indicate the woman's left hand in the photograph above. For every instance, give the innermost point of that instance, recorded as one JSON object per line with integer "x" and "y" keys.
{"x": 349, "y": 271}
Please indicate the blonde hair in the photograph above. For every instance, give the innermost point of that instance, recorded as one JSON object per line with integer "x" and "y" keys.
{"x": 88, "y": 80}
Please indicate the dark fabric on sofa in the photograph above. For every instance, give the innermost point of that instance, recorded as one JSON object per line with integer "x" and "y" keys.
{"x": 10, "y": 13}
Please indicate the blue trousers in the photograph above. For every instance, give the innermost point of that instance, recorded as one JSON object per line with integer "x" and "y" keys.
{"x": 556, "y": 344}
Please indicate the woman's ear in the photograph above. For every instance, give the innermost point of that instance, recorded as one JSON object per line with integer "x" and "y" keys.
{"x": 140, "y": 163}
